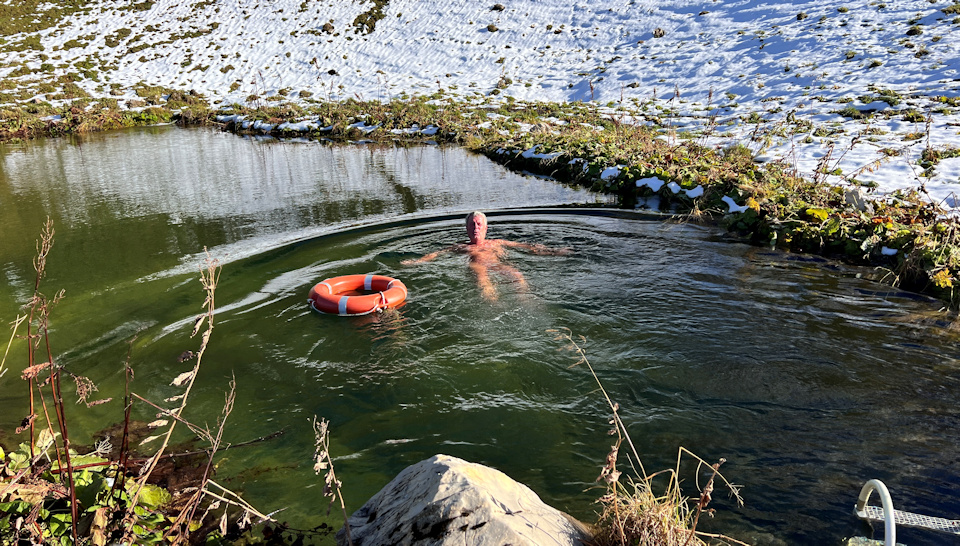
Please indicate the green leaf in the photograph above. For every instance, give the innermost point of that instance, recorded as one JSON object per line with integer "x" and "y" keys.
{"x": 18, "y": 460}
{"x": 82, "y": 478}
{"x": 59, "y": 524}
{"x": 819, "y": 214}
{"x": 15, "y": 508}
{"x": 832, "y": 227}
{"x": 153, "y": 496}
{"x": 80, "y": 460}
{"x": 153, "y": 519}
{"x": 89, "y": 486}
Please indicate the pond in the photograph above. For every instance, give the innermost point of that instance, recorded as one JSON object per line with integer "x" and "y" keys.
{"x": 807, "y": 378}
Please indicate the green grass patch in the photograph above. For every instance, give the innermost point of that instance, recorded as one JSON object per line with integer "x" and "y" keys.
{"x": 852, "y": 112}
{"x": 888, "y": 96}
{"x": 138, "y": 6}
{"x": 913, "y": 115}
{"x": 951, "y": 10}
{"x": 26, "y": 16}
{"x": 366, "y": 22}
{"x": 114, "y": 39}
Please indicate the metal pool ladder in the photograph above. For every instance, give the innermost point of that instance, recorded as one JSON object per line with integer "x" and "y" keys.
{"x": 891, "y": 518}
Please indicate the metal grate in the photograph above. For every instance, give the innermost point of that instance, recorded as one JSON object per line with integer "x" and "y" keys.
{"x": 909, "y": 519}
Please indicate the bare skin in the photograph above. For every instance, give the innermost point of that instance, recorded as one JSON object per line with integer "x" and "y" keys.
{"x": 486, "y": 255}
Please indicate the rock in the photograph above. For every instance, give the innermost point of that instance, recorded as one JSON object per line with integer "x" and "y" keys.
{"x": 497, "y": 7}
{"x": 444, "y": 500}
{"x": 541, "y": 127}
{"x": 855, "y": 198}
{"x": 863, "y": 541}
{"x": 659, "y": 32}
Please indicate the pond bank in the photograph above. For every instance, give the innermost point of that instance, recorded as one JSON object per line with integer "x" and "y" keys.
{"x": 695, "y": 176}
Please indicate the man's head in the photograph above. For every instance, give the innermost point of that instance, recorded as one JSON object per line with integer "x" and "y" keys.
{"x": 476, "y": 227}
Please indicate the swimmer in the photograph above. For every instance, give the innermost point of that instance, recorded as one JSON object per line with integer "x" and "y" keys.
{"x": 485, "y": 255}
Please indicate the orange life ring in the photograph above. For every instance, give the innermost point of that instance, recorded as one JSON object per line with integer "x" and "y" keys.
{"x": 329, "y": 296}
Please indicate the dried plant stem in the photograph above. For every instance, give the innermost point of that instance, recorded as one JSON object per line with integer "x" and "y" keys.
{"x": 216, "y": 441}
{"x": 566, "y": 334}
{"x": 13, "y": 334}
{"x": 62, "y": 421}
{"x": 230, "y": 497}
{"x": 40, "y": 314}
{"x": 209, "y": 279}
{"x": 127, "y": 408}
{"x": 179, "y": 530}
{"x": 323, "y": 461}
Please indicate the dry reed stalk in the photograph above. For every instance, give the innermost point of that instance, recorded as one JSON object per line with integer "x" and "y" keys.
{"x": 323, "y": 462}
{"x": 209, "y": 279}
{"x": 640, "y": 517}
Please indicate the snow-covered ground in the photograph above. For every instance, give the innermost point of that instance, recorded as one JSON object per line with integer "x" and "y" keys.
{"x": 692, "y": 65}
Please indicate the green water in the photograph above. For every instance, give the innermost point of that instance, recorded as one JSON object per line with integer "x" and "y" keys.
{"x": 806, "y": 378}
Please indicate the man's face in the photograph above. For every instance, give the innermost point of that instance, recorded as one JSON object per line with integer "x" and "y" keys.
{"x": 476, "y": 229}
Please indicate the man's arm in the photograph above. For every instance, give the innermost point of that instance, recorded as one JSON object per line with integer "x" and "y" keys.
{"x": 428, "y": 257}
{"x": 542, "y": 250}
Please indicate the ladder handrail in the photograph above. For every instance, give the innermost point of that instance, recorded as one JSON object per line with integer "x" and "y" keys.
{"x": 889, "y": 526}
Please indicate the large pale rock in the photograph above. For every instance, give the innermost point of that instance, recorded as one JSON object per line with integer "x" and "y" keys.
{"x": 448, "y": 501}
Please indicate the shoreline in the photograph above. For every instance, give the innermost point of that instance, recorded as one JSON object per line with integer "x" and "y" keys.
{"x": 694, "y": 176}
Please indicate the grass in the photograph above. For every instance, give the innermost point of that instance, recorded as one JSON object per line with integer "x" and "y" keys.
{"x": 366, "y": 22}
{"x": 952, "y": 9}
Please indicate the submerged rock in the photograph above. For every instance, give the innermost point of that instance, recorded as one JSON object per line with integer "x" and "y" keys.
{"x": 445, "y": 500}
